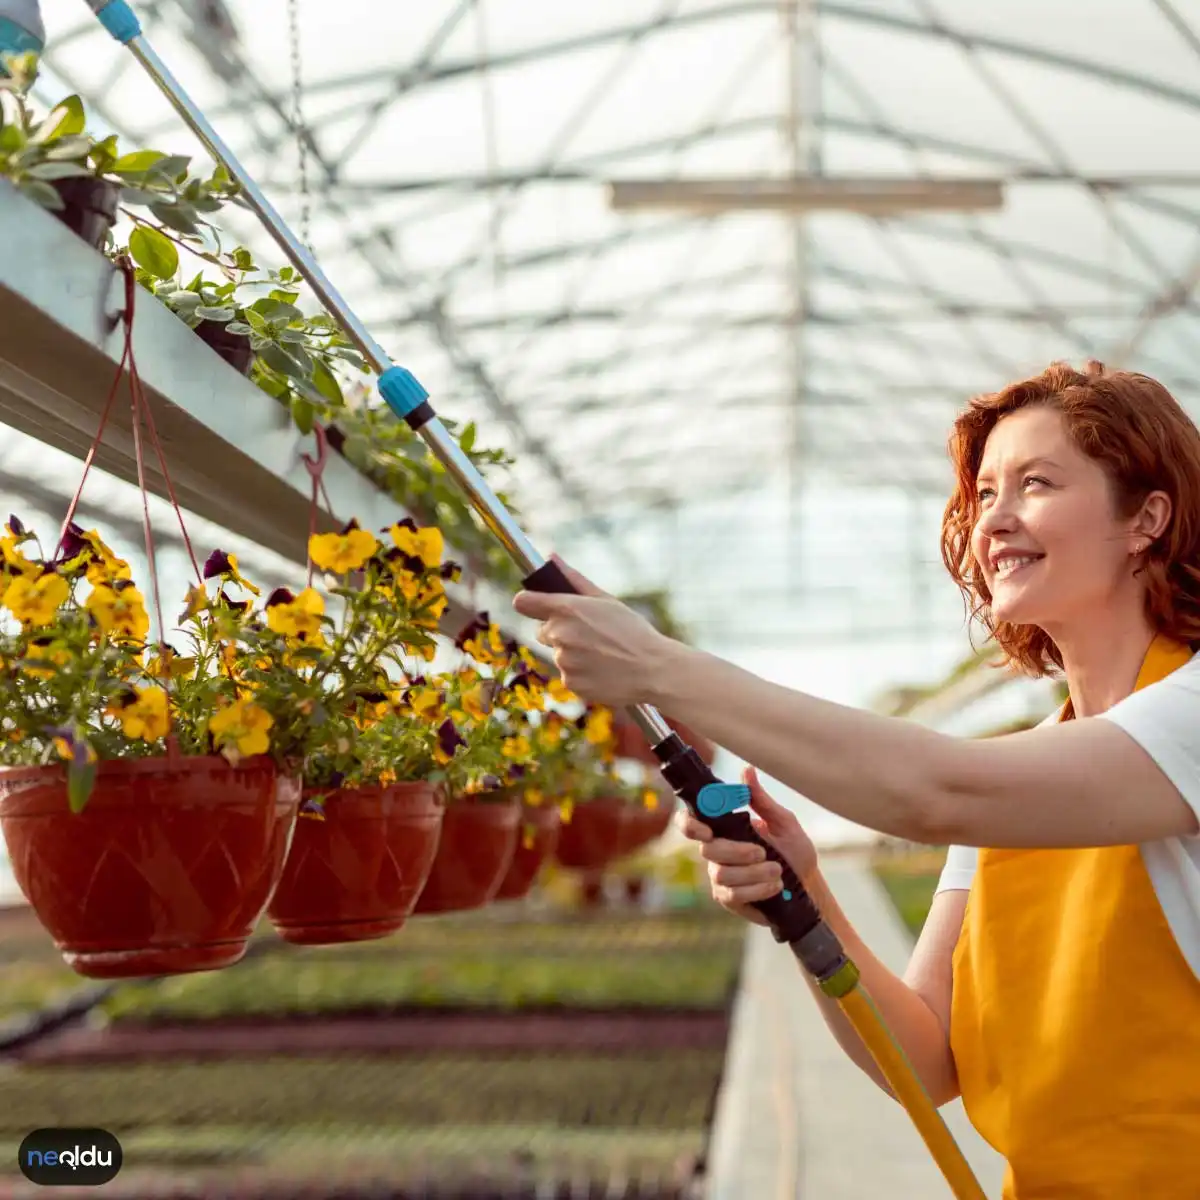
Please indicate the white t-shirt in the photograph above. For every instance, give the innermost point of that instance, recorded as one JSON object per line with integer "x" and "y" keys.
{"x": 1164, "y": 719}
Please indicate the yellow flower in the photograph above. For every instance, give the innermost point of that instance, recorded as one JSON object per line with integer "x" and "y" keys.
{"x": 225, "y": 566}
{"x": 559, "y": 692}
{"x": 477, "y": 701}
{"x": 44, "y": 650}
{"x": 14, "y": 561}
{"x": 425, "y": 544}
{"x": 343, "y": 552}
{"x": 240, "y": 730}
{"x": 166, "y": 664}
{"x": 598, "y": 729}
{"x": 533, "y": 797}
{"x": 528, "y": 834}
{"x": 426, "y": 702}
{"x": 565, "y": 811}
{"x": 387, "y": 776}
{"x": 36, "y": 601}
{"x": 197, "y": 602}
{"x": 431, "y": 601}
{"x": 516, "y": 747}
{"x": 103, "y": 565}
{"x": 122, "y": 612}
{"x": 650, "y": 798}
{"x": 64, "y": 749}
{"x": 144, "y": 716}
{"x": 298, "y": 618}
{"x": 526, "y": 694}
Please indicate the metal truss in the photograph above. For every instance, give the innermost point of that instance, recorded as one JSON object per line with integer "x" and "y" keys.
{"x": 660, "y": 360}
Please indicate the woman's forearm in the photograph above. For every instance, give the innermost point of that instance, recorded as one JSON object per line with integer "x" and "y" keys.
{"x": 913, "y": 1023}
{"x": 879, "y": 772}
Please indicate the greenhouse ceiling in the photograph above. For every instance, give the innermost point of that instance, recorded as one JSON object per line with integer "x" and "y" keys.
{"x": 453, "y": 164}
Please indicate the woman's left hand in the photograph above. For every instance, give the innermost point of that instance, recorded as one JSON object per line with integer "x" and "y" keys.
{"x": 606, "y": 652}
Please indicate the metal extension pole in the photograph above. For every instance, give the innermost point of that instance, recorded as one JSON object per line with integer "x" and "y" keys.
{"x": 793, "y": 915}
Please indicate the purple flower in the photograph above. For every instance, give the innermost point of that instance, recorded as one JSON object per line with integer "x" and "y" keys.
{"x": 279, "y": 596}
{"x": 479, "y": 625}
{"x": 449, "y": 739}
{"x": 218, "y": 564}
{"x": 15, "y": 526}
{"x": 451, "y": 571}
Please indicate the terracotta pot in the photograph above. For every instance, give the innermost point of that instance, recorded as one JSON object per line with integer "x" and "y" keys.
{"x": 643, "y": 825}
{"x": 234, "y": 348}
{"x": 536, "y": 839}
{"x": 89, "y": 207}
{"x": 593, "y": 836}
{"x": 166, "y": 870}
{"x": 356, "y": 874}
{"x": 476, "y": 849}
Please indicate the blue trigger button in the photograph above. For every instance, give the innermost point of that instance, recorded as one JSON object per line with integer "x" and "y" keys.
{"x": 718, "y": 799}
{"x": 786, "y": 894}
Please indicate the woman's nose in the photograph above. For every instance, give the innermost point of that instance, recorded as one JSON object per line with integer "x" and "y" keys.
{"x": 999, "y": 517}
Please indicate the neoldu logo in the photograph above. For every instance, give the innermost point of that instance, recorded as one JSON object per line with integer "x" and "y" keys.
{"x": 70, "y": 1157}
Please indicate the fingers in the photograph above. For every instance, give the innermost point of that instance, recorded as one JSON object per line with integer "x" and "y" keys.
{"x": 581, "y": 583}
{"x": 757, "y": 875}
{"x": 738, "y": 897}
{"x": 540, "y": 606}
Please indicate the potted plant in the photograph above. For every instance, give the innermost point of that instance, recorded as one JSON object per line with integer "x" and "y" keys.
{"x": 147, "y": 796}
{"x": 85, "y": 181}
{"x": 251, "y": 318}
{"x": 490, "y": 752}
{"x": 373, "y": 809}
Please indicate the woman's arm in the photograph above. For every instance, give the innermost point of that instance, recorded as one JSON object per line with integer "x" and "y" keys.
{"x": 1081, "y": 783}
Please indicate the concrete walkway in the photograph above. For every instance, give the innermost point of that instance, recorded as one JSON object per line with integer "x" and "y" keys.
{"x": 796, "y": 1120}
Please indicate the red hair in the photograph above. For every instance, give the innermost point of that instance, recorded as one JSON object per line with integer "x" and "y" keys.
{"x": 1145, "y": 442}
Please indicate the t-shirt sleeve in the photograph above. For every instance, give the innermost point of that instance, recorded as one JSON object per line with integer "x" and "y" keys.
{"x": 959, "y": 869}
{"x": 1164, "y": 719}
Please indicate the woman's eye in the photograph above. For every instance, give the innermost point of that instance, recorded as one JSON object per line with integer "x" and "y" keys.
{"x": 1035, "y": 479}
{"x": 984, "y": 494}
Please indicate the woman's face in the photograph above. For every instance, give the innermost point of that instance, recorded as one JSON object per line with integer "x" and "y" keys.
{"x": 1048, "y": 540}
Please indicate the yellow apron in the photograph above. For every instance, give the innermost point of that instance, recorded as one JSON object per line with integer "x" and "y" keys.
{"x": 1075, "y": 1022}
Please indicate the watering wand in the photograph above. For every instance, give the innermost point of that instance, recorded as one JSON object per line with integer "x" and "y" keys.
{"x": 792, "y": 914}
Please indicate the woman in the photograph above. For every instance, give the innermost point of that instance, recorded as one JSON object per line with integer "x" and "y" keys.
{"x": 1056, "y": 984}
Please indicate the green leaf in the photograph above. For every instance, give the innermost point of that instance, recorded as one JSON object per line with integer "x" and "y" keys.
{"x": 172, "y": 167}
{"x": 257, "y": 321}
{"x": 154, "y": 251}
{"x": 139, "y": 197}
{"x": 183, "y": 299}
{"x": 65, "y": 119}
{"x": 41, "y": 193}
{"x": 280, "y": 360}
{"x": 303, "y": 414}
{"x": 243, "y": 260}
{"x": 69, "y": 147}
{"x": 174, "y": 216}
{"x": 80, "y": 781}
{"x": 239, "y": 327}
{"x": 58, "y": 170}
{"x": 137, "y": 163}
{"x": 467, "y": 441}
{"x": 326, "y": 383}
{"x": 285, "y": 297}
{"x": 206, "y": 312}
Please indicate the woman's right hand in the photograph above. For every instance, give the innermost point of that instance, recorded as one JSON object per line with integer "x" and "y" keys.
{"x": 739, "y": 873}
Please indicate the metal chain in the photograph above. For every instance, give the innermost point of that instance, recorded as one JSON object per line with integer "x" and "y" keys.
{"x": 297, "y": 121}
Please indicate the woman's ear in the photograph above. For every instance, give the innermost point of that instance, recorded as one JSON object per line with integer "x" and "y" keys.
{"x": 1154, "y": 516}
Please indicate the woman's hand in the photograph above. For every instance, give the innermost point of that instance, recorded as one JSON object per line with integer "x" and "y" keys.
{"x": 605, "y": 651}
{"x": 739, "y": 873}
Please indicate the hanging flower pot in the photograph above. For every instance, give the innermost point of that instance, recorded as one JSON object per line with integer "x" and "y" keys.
{"x": 234, "y": 348}
{"x": 89, "y": 207}
{"x": 479, "y": 838}
{"x": 356, "y": 873}
{"x": 166, "y": 870}
{"x": 644, "y": 824}
{"x": 593, "y": 836}
{"x": 539, "y": 832}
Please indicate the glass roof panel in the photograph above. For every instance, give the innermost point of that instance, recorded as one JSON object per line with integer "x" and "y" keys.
{"x": 462, "y": 155}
